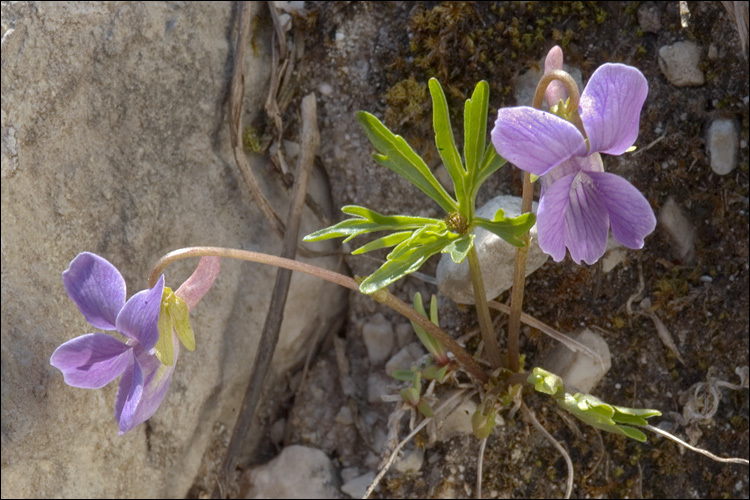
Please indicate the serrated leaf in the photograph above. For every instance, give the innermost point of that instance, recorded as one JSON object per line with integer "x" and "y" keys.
{"x": 408, "y": 256}
{"x": 460, "y": 248}
{"x": 508, "y": 229}
{"x": 396, "y": 154}
{"x": 368, "y": 221}
{"x": 445, "y": 142}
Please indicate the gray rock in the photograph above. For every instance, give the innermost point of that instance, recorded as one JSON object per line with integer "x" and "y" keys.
{"x": 115, "y": 141}
{"x": 721, "y": 143}
{"x": 405, "y": 358}
{"x": 379, "y": 338}
{"x": 410, "y": 462}
{"x": 297, "y": 472}
{"x": 649, "y": 18}
{"x": 496, "y": 257}
{"x": 579, "y": 371}
{"x": 679, "y": 64}
{"x": 680, "y": 231}
{"x": 357, "y": 487}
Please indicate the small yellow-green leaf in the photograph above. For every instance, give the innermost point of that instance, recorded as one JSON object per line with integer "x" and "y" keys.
{"x": 178, "y": 311}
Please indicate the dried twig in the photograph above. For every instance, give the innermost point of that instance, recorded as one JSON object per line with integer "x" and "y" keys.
{"x": 400, "y": 445}
{"x": 568, "y": 462}
{"x": 236, "y": 94}
{"x": 480, "y": 462}
{"x": 707, "y": 453}
{"x": 272, "y": 325}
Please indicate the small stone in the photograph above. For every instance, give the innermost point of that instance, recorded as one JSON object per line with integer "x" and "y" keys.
{"x": 411, "y": 462}
{"x": 713, "y": 52}
{"x": 344, "y": 416}
{"x": 297, "y": 472}
{"x": 357, "y": 487}
{"x": 721, "y": 143}
{"x": 578, "y": 370}
{"x": 405, "y": 358}
{"x": 458, "y": 422}
{"x": 404, "y": 334}
{"x": 679, "y": 229}
{"x": 379, "y": 338}
{"x": 679, "y": 63}
{"x": 377, "y": 387}
{"x": 325, "y": 89}
{"x": 497, "y": 257}
{"x": 649, "y": 18}
{"x": 349, "y": 473}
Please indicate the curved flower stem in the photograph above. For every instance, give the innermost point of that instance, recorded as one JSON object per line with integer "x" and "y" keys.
{"x": 382, "y": 296}
{"x": 483, "y": 311}
{"x": 519, "y": 274}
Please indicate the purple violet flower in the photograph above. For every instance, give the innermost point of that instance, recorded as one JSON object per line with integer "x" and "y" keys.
{"x": 579, "y": 201}
{"x": 93, "y": 360}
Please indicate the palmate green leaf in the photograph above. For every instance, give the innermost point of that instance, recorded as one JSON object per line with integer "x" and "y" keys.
{"x": 367, "y": 221}
{"x": 396, "y": 154}
{"x": 446, "y": 143}
{"x": 508, "y": 229}
{"x": 409, "y": 255}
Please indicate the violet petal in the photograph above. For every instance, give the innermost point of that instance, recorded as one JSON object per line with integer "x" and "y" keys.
{"x": 630, "y": 214}
{"x": 534, "y": 140}
{"x": 550, "y": 218}
{"x": 610, "y": 107}
{"x": 586, "y": 221}
{"x": 91, "y": 361}
{"x": 97, "y": 288}
{"x": 140, "y": 316}
{"x": 156, "y": 380}
{"x": 128, "y": 396}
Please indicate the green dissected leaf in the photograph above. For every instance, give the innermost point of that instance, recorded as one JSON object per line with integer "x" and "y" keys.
{"x": 475, "y": 126}
{"x": 606, "y": 417}
{"x": 445, "y": 142}
{"x": 403, "y": 375}
{"x": 508, "y": 229}
{"x": 433, "y": 346}
{"x": 385, "y": 242}
{"x": 459, "y": 249}
{"x": 367, "y": 221}
{"x": 409, "y": 255}
{"x": 397, "y": 155}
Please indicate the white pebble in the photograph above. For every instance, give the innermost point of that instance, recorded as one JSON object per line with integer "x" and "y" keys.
{"x": 721, "y": 145}
{"x": 679, "y": 63}
{"x": 379, "y": 338}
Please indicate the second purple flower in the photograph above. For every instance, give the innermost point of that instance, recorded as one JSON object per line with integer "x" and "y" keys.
{"x": 579, "y": 201}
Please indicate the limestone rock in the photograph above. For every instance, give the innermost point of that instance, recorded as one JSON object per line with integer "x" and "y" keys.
{"x": 115, "y": 142}
{"x": 496, "y": 257}
{"x": 297, "y": 472}
{"x": 721, "y": 143}
{"x": 379, "y": 338}
{"x": 578, "y": 370}
{"x": 679, "y": 64}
